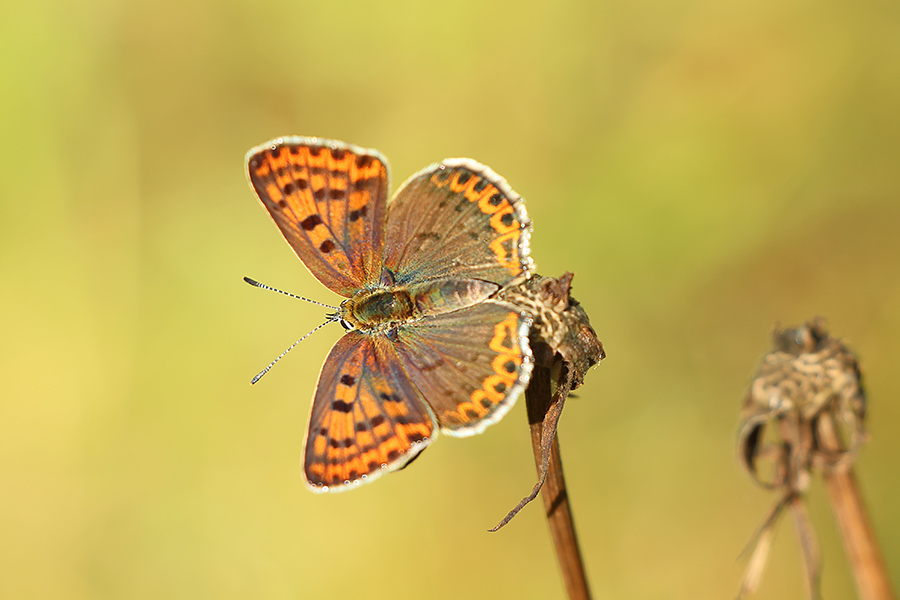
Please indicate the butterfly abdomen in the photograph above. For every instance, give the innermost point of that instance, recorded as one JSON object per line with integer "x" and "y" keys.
{"x": 442, "y": 296}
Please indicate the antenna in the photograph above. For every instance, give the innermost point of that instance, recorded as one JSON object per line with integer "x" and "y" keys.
{"x": 331, "y": 319}
{"x": 335, "y": 316}
{"x": 255, "y": 283}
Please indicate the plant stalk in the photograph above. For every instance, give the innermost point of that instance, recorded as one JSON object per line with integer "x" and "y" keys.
{"x": 860, "y": 544}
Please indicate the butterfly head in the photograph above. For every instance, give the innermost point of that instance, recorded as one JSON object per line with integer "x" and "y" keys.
{"x": 343, "y": 316}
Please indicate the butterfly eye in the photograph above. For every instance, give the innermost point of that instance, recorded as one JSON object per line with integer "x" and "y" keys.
{"x": 336, "y": 316}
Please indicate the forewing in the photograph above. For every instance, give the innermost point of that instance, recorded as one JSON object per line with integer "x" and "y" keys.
{"x": 457, "y": 219}
{"x": 329, "y": 200}
{"x": 470, "y": 365}
{"x": 367, "y": 416}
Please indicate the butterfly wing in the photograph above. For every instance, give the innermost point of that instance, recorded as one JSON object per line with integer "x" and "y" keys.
{"x": 367, "y": 416}
{"x": 470, "y": 364}
{"x": 328, "y": 199}
{"x": 457, "y": 219}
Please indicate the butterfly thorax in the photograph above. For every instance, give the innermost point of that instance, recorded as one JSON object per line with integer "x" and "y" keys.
{"x": 371, "y": 308}
{"x": 398, "y": 304}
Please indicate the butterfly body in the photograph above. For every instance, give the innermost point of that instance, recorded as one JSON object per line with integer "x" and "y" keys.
{"x": 381, "y": 308}
{"x": 431, "y": 344}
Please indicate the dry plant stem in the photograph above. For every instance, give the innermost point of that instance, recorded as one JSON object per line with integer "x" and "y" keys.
{"x": 856, "y": 531}
{"x": 556, "y": 501}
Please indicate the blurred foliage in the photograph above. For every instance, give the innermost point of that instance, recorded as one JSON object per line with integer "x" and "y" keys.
{"x": 705, "y": 168}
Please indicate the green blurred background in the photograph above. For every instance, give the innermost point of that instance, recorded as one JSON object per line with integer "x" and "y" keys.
{"x": 705, "y": 168}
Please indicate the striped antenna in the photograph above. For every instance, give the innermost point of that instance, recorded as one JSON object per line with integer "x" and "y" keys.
{"x": 255, "y": 283}
{"x": 291, "y": 347}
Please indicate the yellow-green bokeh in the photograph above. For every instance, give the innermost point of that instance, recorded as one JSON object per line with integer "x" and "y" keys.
{"x": 705, "y": 168}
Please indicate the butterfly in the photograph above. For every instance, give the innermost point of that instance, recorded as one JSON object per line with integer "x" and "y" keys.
{"x": 429, "y": 344}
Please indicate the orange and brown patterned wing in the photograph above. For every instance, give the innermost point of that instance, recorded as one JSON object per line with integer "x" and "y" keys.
{"x": 457, "y": 219}
{"x": 329, "y": 200}
{"x": 470, "y": 364}
{"x": 367, "y": 416}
